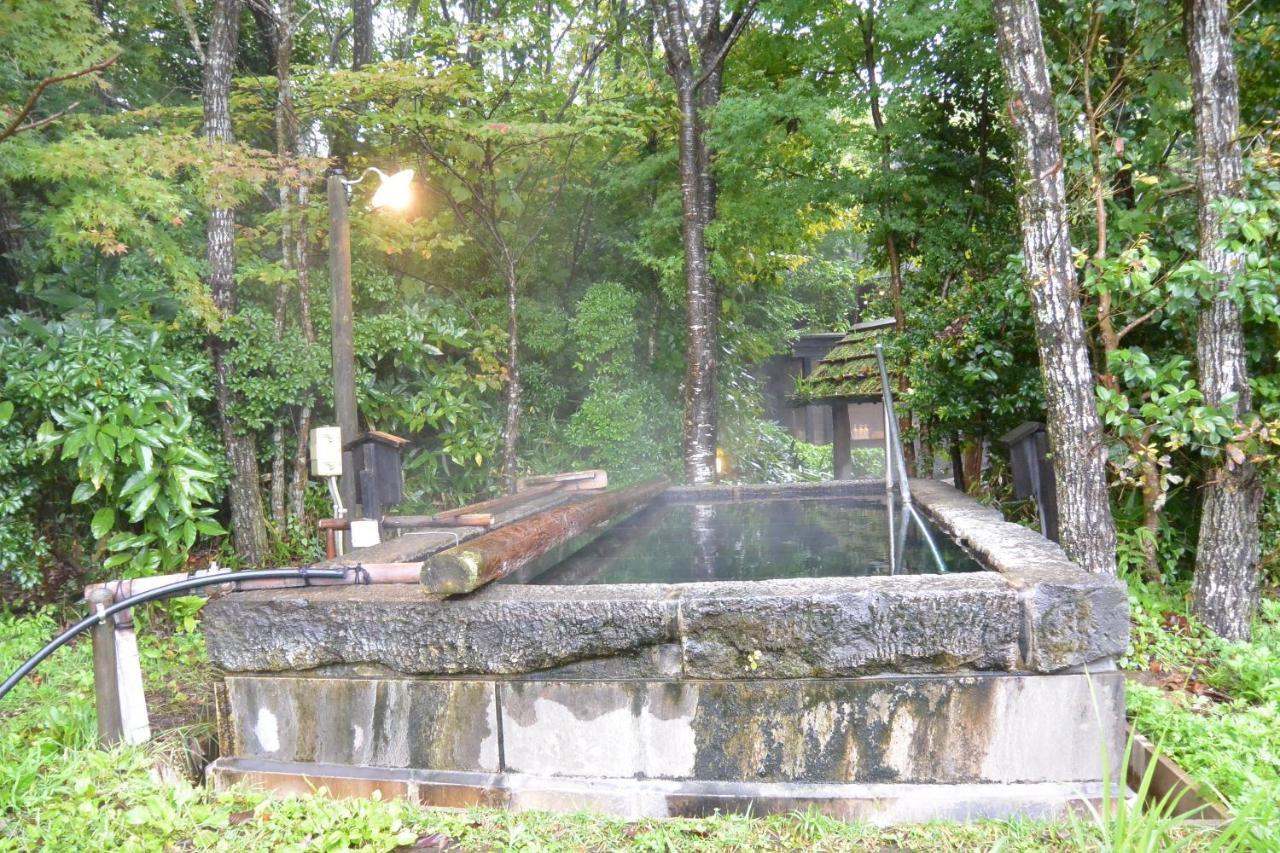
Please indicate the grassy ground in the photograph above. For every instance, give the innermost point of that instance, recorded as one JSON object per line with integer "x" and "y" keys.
{"x": 58, "y": 792}
{"x": 1213, "y": 706}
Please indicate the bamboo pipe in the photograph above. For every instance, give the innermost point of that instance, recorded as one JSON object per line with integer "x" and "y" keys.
{"x": 493, "y": 556}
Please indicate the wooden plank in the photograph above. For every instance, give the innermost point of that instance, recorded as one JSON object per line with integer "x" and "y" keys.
{"x": 500, "y": 503}
{"x": 135, "y": 723}
{"x": 413, "y": 547}
{"x": 495, "y": 555}
{"x": 418, "y": 522}
{"x": 595, "y": 479}
{"x": 1168, "y": 780}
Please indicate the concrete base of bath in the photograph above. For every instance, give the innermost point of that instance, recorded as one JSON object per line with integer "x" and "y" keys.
{"x": 886, "y": 748}
{"x": 642, "y": 798}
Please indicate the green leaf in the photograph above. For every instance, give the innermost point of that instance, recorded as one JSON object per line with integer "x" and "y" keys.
{"x": 103, "y": 520}
{"x": 83, "y": 492}
{"x": 209, "y": 527}
{"x": 143, "y": 502}
{"x": 138, "y": 479}
{"x": 6, "y": 411}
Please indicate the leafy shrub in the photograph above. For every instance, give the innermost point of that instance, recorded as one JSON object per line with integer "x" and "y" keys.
{"x": 1233, "y": 745}
{"x": 427, "y": 376}
{"x": 106, "y": 408}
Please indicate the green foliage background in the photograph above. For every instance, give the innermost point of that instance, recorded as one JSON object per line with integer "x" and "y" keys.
{"x": 105, "y": 313}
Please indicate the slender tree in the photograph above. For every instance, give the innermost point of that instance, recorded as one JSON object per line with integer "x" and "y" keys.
{"x": 1075, "y": 431}
{"x": 361, "y": 33}
{"x": 697, "y": 38}
{"x": 1225, "y": 590}
{"x": 872, "y": 51}
{"x": 249, "y": 527}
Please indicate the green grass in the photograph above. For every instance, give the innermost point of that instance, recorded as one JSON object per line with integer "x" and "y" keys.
{"x": 1213, "y": 706}
{"x": 58, "y": 792}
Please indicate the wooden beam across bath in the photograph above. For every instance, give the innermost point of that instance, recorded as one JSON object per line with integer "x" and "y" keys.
{"x": 495, "y": 555}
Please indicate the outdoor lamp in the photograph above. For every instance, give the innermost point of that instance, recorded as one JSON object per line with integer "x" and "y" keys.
{"x": 394, "y": 193}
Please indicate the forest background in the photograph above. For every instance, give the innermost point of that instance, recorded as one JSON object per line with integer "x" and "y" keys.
{"x": 530, "y": 312}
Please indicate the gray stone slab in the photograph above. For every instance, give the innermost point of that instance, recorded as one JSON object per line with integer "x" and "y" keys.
{"x": 915, "y": 730}
{"x": 1071, "y": 617}
{"x": 443, "y": 725}
{"x": 399, "y": 627}
{"x": 849, "y": 626}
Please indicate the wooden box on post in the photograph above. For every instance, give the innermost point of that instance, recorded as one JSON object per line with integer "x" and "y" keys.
{"x": 376, "y": 457}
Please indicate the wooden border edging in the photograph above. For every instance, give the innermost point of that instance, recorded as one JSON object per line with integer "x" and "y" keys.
{"x": 1168, "y": 779}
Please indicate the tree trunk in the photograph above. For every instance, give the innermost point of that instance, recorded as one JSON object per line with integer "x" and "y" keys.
{"x": 870, "y": 63}
{"x": 698, "y": 88}
{"x": 511, "y": 429}
{"x": 361, "y": 33}
{"x": 1152, "y": 502}
{"x": 286, "y": 136}
{"x": 1075, "y": 430}
{"x": 1225, "y": 589}
{"x": 700, "y": 353}
{"x": 957, "y": 462}
{"x": 302, "y": 266}
{"x": 248, "y": 523}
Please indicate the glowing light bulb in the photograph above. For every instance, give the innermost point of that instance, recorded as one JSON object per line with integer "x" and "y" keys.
{"x": 395, "y": 191}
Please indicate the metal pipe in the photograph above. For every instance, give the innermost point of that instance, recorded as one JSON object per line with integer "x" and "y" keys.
{"x": 893, "y": 426}
{"x": 365, "y": 573}
{"x": 928, "y": 538}
{"x": 103, "y": 614}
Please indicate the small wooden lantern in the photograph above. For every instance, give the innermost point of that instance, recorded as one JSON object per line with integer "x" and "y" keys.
{"x": 1028, "y": 445}
{"x": 376, "y": 457}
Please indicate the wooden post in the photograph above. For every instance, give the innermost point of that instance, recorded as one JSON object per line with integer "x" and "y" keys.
{"x": 105, "y": 681}
{"x": 957, "y": 463}
{"x": 841, "y": 437}
{"x": 135, "y": 723}
{"x": 344, "y": 358}
{"x": 493, "y": 556}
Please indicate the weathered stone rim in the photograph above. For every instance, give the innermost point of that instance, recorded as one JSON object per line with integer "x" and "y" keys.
{"x": 1039, "y": 612}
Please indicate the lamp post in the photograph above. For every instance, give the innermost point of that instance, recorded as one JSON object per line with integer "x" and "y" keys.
{"x": 394, "y": 192}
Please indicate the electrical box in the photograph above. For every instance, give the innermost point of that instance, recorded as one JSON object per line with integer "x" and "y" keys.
{"x": 326, "y": 452}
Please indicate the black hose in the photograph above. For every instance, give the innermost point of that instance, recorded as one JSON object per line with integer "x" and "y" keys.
{"x": 160, "y": 592}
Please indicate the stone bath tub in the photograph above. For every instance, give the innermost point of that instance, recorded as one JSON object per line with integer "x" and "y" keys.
{"x": 887, "y": 698}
